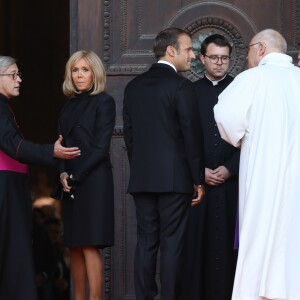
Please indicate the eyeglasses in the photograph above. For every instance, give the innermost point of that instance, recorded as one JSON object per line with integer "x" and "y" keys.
{"x": 248, "y": 47}
{"x": 14, "y": 76}
{"x": 214, "y": 59}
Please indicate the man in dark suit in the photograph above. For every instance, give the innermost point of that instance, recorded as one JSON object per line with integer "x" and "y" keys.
{"x": 164, "y": 143}
{"x": 17, "y": 279}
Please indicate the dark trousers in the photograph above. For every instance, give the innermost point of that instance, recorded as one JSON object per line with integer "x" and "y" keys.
{"x": 161, "y": 223}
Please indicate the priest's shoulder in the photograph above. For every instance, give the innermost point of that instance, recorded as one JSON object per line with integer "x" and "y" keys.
{"x": 249, "y": 73}
{"x": 202, "y": 82}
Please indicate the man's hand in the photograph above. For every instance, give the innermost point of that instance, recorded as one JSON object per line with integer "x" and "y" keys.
{"x": 63, "y": 152}
{"x": 199, "y": 194}
{"x": 217, "y": 176}
{"x": 222, "y": 172}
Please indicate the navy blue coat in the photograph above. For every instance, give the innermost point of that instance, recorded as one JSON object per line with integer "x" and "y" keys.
{"x": 87, "y": 121}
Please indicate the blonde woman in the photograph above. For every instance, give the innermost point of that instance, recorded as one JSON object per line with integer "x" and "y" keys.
{"x": 87, "y": 121}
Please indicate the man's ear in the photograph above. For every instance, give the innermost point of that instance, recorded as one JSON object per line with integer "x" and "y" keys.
{"x": 262, "y": 48}
{"x": 171, "y": 51}
{"x": 202, "y": 59}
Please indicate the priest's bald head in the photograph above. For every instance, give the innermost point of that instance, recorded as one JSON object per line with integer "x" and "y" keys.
{"x": 263, "y": 43}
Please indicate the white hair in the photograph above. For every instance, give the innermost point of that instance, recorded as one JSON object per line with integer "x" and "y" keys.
{"x": 5, "y": 62}
{"x": 273, "y": 39}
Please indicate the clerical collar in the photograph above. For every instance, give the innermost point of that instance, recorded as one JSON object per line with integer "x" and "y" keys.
{"x": 215, "y": 82}
{"x": 161, "y": 61}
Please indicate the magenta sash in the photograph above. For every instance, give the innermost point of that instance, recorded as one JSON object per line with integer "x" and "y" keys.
{"x": 9, "y": 164}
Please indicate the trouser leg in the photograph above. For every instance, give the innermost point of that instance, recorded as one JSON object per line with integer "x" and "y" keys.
{"x": 174, "y": 211}
{"x": 147, "y": 246}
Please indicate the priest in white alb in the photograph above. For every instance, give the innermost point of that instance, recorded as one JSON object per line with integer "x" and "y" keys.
{"x": 260, "y": 112}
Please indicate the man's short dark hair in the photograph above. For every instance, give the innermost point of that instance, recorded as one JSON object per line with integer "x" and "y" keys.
{"x": 165, "y": 38}
{"x": 217, "y": 39}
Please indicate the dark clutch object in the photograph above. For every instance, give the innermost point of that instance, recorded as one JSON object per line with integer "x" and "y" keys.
{"x": 57, "y": 193}
{"x": 71, "y": 182}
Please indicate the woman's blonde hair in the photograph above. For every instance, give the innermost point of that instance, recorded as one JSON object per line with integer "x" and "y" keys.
{"x": 96, "y": 65}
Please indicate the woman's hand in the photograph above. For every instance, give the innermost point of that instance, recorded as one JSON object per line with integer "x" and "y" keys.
{"x": 64, "y": 181}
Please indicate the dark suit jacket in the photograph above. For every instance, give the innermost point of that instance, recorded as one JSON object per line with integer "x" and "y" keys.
{"x": 162, "y": 132}
{"x": 13, "y": 143}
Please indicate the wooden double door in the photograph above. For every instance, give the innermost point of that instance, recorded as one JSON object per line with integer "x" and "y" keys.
{"x": 122, "y": 32}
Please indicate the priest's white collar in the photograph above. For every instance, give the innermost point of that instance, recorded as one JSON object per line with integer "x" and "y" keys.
{"x": 215, "y": 82}
{"x": 161, "y": 61}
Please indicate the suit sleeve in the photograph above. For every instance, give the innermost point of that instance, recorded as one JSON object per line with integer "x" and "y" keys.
{"x": 187, "y": 109}
{"x": 127, "y": 129}
{"x": 100, "y": 144}
{"x": 24, "y": 151}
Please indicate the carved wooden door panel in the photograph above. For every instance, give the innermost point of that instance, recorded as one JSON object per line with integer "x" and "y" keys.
{"x": 121, "y": 32}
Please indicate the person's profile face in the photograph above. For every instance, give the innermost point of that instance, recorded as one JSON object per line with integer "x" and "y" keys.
{"x": 216, "y": 61}
{"x": 253, "y": 57}
{"x": 10, "y": 82}
{"x": 184, "y": 55}
{"x": 82, "y": 75}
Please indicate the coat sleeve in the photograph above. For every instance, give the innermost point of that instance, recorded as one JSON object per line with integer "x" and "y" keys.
{"x": 232, "y": 109}
{"x": 36, "y": 154}
{"x": 100, "y": 143}
{"x": 24, "y": 151}
{"x": 187, "y": 110}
